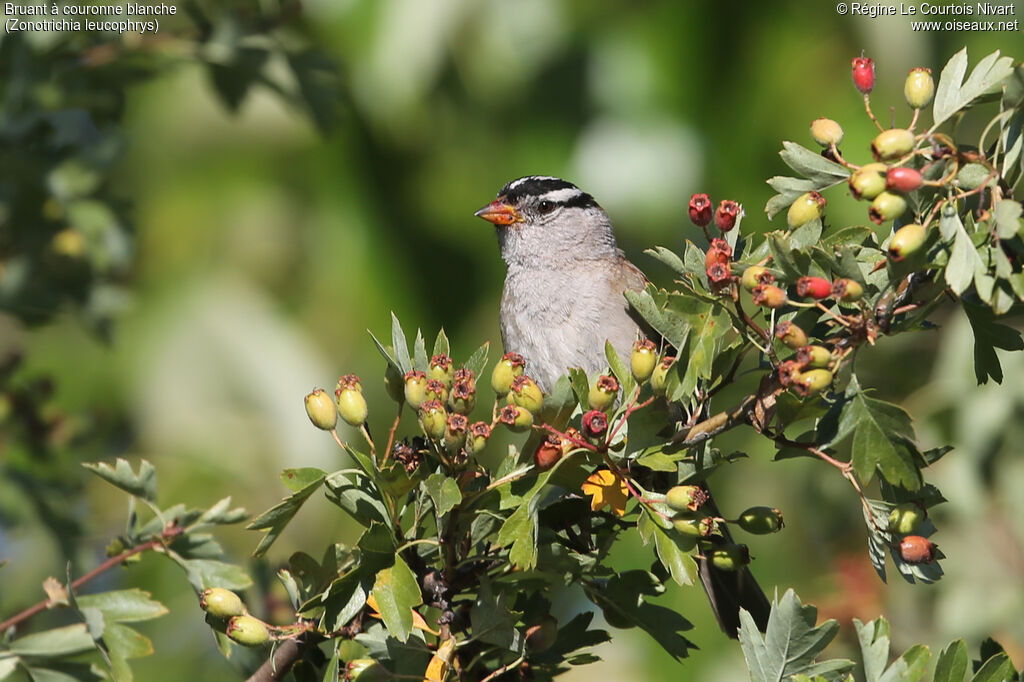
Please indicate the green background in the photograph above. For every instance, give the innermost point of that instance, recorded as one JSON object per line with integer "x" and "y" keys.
{"x": 265, "y": 249}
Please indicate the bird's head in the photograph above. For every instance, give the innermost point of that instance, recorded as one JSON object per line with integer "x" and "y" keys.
{"x": 544, "y": 221}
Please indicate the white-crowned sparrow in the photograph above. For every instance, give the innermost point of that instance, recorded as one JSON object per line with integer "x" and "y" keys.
{"x": 563, "y": 297}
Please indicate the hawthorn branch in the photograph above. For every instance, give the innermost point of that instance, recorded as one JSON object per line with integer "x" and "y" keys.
{"x": 168, "y": 533}
{"x": 284, "y": 657}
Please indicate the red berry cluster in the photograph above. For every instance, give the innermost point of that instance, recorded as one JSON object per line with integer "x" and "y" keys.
{"x": 725, "y": 216}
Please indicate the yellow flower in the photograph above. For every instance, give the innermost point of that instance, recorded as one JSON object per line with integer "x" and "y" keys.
{"x": 607, "y": 488}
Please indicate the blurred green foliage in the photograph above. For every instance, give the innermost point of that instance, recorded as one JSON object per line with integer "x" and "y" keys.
{"x": 245, "y": 237}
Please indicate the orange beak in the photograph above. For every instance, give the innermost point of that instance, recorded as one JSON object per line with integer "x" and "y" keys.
{"x": 499, "y": 213}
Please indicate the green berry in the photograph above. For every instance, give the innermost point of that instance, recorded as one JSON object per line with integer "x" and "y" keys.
{"x": 436, "y": 390}
{"x": 826, "y": 132}
{"x": 807, "y": 207}
{"x": 886, "y": 206}
{"x": 442, "y": 369}
{"x": 761, "y": 520}
{"x": 659, "y": 378}
{"x": 812, "y": 382}
{"x": 351, "y": 404}
{"x": 321, "y": 410}
{"x": 462, "y": 398}
{"x": 247, "y": 631}
{"x": 892, "y": 144}
{"x": 415, "y": 388}
{"x": 603, "y": 393}
{"x": 643, "y": 359}
{"x": 526, "y": 394}
{"x": 790, "y": 334}
{"x": 686, "y": 497}
{"x": 813, "y": 357}
{"x": 433, "y": 419}
{"x": 479, "y": 432}
{"x": 847, "y": 290}
{"x": 366, "y": 670}
{"x": 868, "y": 181}
{"x": 516, "y": 418}
{"x": 505, "y": 372}
{"x": 906, "y": 518}
{"x": 919, "y": 87}
{"x": 907, "y": 240}
{"x": 455, "y": 431}
{"x": 222, "y": 603}
{"x": 730, "y": 557}
{"x": 754, "y": 275}
{"x": 697, "y": 527}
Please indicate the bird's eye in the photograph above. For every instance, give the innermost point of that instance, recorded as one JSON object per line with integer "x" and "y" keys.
{"x": 546, "y": 207}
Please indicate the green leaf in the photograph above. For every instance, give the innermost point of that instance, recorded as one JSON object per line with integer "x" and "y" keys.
{"x": 623, "y": 596}
{"x": 989, "y": 335}
{"x": 478, "y": 360}
{"x": 788, "y": 190}
{"x": 397, "y": 592}
{"x": 65, "y": 641}
{"x": 65, "y": 671}
{"x": 580, "y": 386}
{"x": 520, "y": 531}
{"x": 123, "y": 606}
{"x": 909, "y": 667}
{"x": 619, "y": 369}
{"x": 999, "y": 668}
{"x": 709, "y": 324}
{"x": 441, "y": 346}
{"x": 1007, "y": 218}
{"x": 883, "y": 438}
{"x": 649, "y": 303}
{"x": 812, "y": 165}
{"x": 400, "y": 345}
{"x": 204, "y": 573}
{"x": 443, "y": 491}
{"x": 952, "y": 663}
{"x": 420, "y": 359}
{"x": 492, "y": 620}
{"x": 874, "y": 647}
{"x": 300, "y": 479}
{"x": 791, "y": 643}
{"x": 676, "y": 558}
{"x": 8, "y": 664}
{"x": 670, "y": 258}
{"x": 343, "y": 600}
{"x": 142, "y": 485}
{"x": 275, "y": 519}
{"x": 221, "y": 513}
{"x": 964, "y": 262}
{"x": 951, "y": 96}
{"x": 122, "y": 643}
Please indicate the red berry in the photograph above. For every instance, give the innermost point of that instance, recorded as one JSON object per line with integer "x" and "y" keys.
{"x": 700, "y": 209}
{"x": 726, "y": 215}
{"x": 917, "y": 550}
{"x": 903, "y": 179}
{"x": 813, "y": 287}
{"x": 863, "y": 73}
{"x": 595, "y": 424}
{"x": 549, "y": 452}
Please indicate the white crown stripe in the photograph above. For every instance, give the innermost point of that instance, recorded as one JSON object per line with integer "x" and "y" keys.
{"x": 532, "y": 178}
{"x": 561, "y": 196}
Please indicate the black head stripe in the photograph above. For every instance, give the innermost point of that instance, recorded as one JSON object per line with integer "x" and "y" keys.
{"x": 563, "y": 192}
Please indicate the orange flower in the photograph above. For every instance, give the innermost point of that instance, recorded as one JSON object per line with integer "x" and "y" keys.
{"x": 607, "y": 488}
